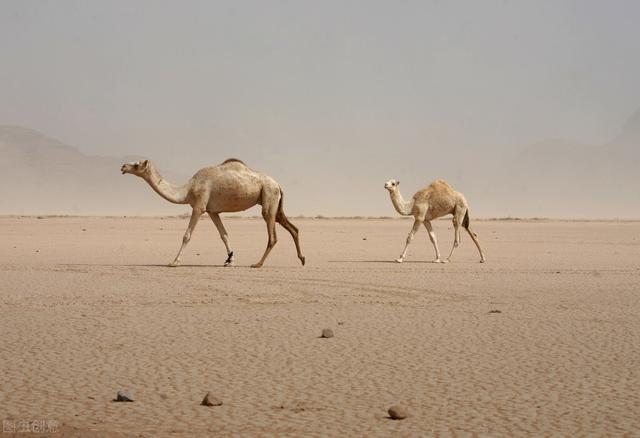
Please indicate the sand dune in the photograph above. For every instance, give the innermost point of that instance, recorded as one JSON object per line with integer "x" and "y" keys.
{"x": 88, "y": 308}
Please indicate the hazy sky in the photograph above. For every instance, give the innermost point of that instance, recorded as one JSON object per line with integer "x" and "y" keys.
{"x": 366, "y": 90}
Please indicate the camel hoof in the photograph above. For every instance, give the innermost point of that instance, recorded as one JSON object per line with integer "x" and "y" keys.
{"x": 482, "y": 260}
{"x": 399, "y": 260}
{"x": 303, "y": 260}
{"x": 228, "y": 263}
{"x": 438, "y": 261}
{"x": 256, "y": 265}
{"x": 173, "y": 264}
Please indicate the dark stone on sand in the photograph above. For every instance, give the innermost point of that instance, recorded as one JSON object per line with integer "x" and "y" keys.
{"x": 124, "y": 396}
{"x": 495, "y": 311}
{"x": 327, "y": 333}
{"x": 397, "y": 412}
{"x": 211, "y": 400}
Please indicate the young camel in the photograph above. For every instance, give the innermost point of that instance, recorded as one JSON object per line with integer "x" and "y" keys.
{"x": 227, "y": 187}
{"x": 434, "y": 201}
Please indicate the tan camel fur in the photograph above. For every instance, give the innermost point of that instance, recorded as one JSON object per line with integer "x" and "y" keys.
{"x": 436, "y": 200}
{"x": 227, "y": 187}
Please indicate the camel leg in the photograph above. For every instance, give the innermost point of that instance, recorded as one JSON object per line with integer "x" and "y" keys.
{"x": 269, "y": 215}
{"x": 458, "y": 217}
{"x": 474, "y": 237}
{"x": 434, "y": 241}
{"x": 215, "y": 217}
{"x": 293, "y": 230}
{"x": 414, "y": 230}
{"x": 195, "y": 216}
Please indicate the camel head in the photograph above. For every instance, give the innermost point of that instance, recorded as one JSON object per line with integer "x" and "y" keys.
{"x": 392, "y": 185}
{"x": 137, "y": 168}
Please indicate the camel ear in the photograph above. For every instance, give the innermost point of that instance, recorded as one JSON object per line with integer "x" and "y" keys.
{"x": 144, "y": 163}
{"x": 397, "y": 183}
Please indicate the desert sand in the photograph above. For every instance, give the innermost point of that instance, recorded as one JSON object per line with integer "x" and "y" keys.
{"x": 543, "y": 339}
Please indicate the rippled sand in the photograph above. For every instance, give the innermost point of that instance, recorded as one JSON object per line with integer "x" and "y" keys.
{"x": 87, "y": 308}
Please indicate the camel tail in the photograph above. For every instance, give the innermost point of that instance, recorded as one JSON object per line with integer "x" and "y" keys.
{"x": 280, "y": 216}
{"x": 280, "y": 213}
{"x": 465, "y": 221}
{"x": 282, "y": 219}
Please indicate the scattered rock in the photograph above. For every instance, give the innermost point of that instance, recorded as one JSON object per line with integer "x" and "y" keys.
{"x": 37, "y": 250}
{"x": 124, "y": 396}
{"x": 211, "y": 400}
{"x": 327, "y": 333}
{"x": 340, "y": 322}
{"x": 364, "y": 238}
{"x": 495, "y": 311}
{"x": 397, "y": 412}
{"x": 84, "y": 229}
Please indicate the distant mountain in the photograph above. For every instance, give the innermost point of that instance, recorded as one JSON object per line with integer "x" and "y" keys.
{"x": 561, "y": 178}
{"x": 41, "y": 175}
{"x": 553, "y": 178}
{"x": 629, "y": 136}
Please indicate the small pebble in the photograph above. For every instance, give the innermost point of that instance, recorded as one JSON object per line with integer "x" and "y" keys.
{"x": 495, "y": 311}
{"x": 397, "y": 412}
{"x": 327, "y": 333}
{"x": 211, "y": 400}
{"x": 124, "y": 396}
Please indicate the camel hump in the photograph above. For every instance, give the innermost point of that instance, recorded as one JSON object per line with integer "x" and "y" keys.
{"x": 233, "y": 160}
{"x": 440, "y": 182}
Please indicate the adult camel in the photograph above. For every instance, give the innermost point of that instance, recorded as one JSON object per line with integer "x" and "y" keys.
{"x": 228, "y": 187}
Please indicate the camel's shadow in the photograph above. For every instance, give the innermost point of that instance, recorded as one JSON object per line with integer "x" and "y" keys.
{"x": 383, "y": 261}
{"x": 137, "y": 265}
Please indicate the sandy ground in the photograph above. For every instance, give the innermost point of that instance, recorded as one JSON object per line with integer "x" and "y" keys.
{"x": 87, "y": 307}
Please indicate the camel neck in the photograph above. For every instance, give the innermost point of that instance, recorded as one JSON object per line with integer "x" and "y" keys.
{"x": 171, "y": 192}
{"x": 403, "y": 207}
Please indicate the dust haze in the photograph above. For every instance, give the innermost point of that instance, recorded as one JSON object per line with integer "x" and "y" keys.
{"x": 531, "y": 110}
